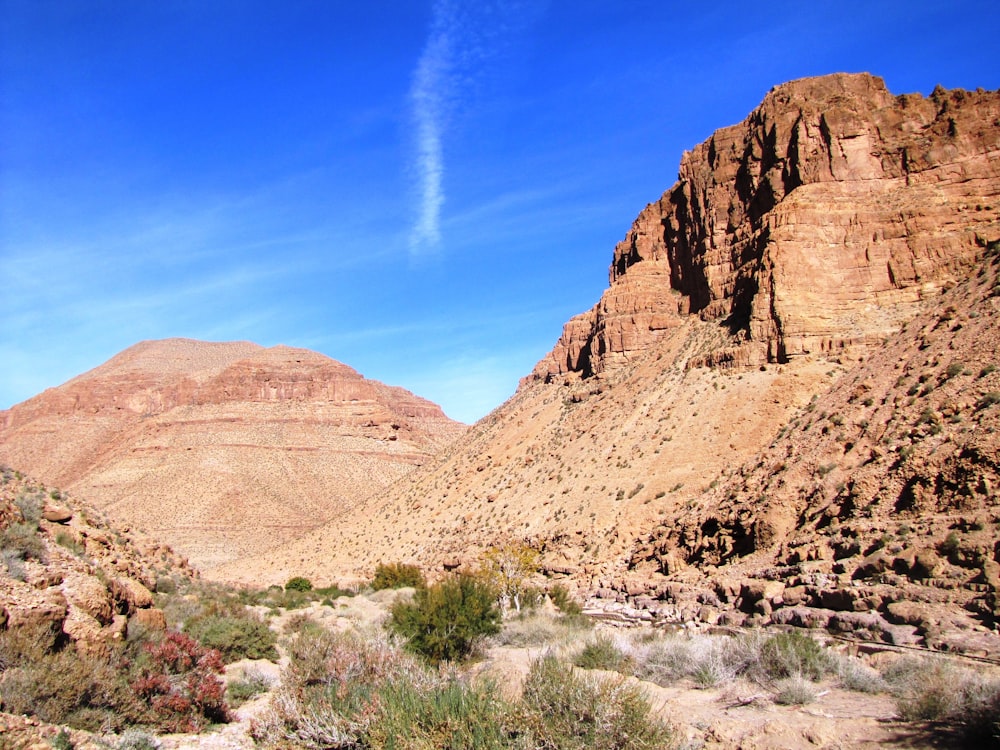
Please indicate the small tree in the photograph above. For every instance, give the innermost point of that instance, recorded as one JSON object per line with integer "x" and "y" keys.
{"x": 507, "y": 568}
{"x": 446, "y": 621}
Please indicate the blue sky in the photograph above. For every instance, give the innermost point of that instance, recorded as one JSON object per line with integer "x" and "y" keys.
{"x": 425, "y": 191}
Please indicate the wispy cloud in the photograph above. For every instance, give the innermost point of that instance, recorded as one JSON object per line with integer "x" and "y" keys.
{"x": 464, "y": 38}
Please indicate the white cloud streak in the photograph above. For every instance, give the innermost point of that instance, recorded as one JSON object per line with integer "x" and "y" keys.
{"x": 464, "y": 38}
{"x": 430, "y": 93}
{"x": 429, "y": 113}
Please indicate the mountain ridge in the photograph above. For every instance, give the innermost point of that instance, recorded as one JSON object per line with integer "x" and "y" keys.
{"x": 222, "y": 448}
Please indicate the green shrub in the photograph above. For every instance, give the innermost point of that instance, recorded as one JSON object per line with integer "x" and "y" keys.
{"x": 449, "y": 715}
{"x": 66, "y": 688}
{"x": 332, "y": 592}
{"x": 990, "y": 399}
{"x": 562, "y": 709}
{"x": 166, "y": 585}
{"x": 954, "y": 370}
{"x": 341, "y": 690}
{"x": 298, "y": 583}
{"x": 793, "y": 654}
{"x": 235, "y": 638}
{"x": 603, "y": 653}
{"x": 565, "y": 603}
{"x": 951, "y": 544}
{"x": 447, "y": 621}
{"x": 397, "y": 576}
{"x": 64, "y": 539}
{"x": 30, "y": 506}
{"x": 21, "y": 541}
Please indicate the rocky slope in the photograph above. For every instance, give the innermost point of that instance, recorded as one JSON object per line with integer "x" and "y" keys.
{"x": 795, "y": 256}
{"x": 222, "y": 449}
{"x": 875, "y": 510}
{"x": 70, "y": 574}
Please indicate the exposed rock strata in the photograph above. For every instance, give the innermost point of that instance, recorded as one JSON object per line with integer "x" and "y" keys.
{"x": 815, "y": 224}
{"x": 222, "y": 450}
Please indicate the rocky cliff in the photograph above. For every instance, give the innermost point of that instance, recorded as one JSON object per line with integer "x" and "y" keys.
{"x": 222, "y": 449}
{"x": 815, "y": 224}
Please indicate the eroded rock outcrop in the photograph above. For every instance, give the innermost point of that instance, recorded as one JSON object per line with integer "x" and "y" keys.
{"x": 815, "y": 224}
{"x": 76, "y": 582}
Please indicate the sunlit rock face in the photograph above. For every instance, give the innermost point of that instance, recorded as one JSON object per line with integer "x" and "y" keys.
{"x": 815, "y": 224}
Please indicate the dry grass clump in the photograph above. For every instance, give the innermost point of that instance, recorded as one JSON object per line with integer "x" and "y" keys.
{"x": 709, "y": 661}
{"x": 794, "y": 691}
{"x": 603, "y": 652}
{"x": 565, "y": 709}
{"x": 252, "y": 682}
{"x": 941, "y": 691}
{"x": 855, "y": 675}
{"x": 537, "y": 627}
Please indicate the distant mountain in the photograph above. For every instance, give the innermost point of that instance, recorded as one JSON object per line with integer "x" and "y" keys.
{"x": 222, "y": 449}
{"x": 805, "y": 255}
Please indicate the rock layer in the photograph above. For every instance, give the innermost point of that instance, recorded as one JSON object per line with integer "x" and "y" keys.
{"x": 222, "y": 449}
{"x": 815, "y": 224}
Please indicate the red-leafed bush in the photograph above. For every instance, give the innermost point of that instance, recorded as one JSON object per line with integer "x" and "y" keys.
{"x": 180, "y": 682}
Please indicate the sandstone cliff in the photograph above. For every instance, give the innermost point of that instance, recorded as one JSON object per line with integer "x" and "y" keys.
{"x": 815, "y": 224}
{"x": 222, "y": 449}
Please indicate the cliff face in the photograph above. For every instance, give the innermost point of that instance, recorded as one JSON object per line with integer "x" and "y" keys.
{"x": 222, "y": 449}
{"x": 815, "y": 224}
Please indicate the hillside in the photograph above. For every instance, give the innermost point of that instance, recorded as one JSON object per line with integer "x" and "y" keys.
{"x": 222, "y": 449}
{"x": 795, "y": 247}
{"x": 70, "y": 574}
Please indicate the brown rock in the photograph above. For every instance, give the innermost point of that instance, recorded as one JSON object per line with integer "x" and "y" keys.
{"x": 89, "y": 595}
{"x": 831, "y": 193}
{"x": 926, "y": 564}
{"x": 152, "y": 618}
{"x": 130, "y": 594}
{"x": 57, "y": 514}
{"x": 753, "y": 591}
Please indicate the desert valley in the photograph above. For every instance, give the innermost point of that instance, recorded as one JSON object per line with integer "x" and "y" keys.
{"x": 781, "y": 417}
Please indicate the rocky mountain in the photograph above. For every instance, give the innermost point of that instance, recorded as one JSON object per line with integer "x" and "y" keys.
{"x": 804, "y": 255}
{"x": 222, "y": 449}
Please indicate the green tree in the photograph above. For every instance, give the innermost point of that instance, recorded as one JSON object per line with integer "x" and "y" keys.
{"x": 507, "y": 568}
{"x": 446, "y": 621}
